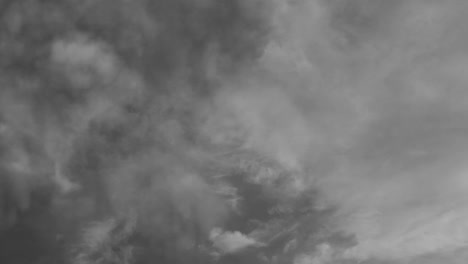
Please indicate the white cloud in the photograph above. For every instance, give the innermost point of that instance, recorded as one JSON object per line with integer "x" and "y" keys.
{"x": 231, "y": 242}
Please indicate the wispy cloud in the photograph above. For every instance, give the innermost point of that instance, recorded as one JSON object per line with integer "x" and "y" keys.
{"x": 371, "y": 109}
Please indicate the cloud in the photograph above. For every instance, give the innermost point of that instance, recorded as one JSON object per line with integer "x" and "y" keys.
{"x": 322, "y": 255}
{"x": 231, "y": 242}
{"x": 151, "y": 107}
{"x": 83, "y": 53}
{"x": 105, "y": 96}
{"x": 398, "y": 183}
{"x": 371, "y": 111}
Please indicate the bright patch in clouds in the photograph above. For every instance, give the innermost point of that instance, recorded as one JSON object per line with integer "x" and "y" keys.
{"x": 231, "y": 242}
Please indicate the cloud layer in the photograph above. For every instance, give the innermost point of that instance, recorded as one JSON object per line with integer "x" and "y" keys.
{"x": 299, "y": 131}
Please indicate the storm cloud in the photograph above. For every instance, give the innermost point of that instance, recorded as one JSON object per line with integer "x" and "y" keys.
{"x": 246, "y": 131}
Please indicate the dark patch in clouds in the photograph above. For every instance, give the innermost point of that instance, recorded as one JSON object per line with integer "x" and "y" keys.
{"x": 108, "y": 93}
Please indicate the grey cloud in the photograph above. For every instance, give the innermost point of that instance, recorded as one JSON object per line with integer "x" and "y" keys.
{"x": 333, "y": 123}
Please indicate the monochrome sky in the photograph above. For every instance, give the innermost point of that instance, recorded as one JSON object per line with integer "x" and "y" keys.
{"x": 246, "y": 131}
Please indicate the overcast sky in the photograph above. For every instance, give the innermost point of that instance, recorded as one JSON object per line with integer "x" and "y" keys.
{"x": 248, "y": 131}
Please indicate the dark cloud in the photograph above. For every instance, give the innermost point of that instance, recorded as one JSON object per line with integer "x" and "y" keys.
{"x": 99, "y": 107}
{"x": 221, "y": 131}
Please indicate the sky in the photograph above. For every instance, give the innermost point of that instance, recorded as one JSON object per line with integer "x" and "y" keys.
{"x": 234, "y": 131}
